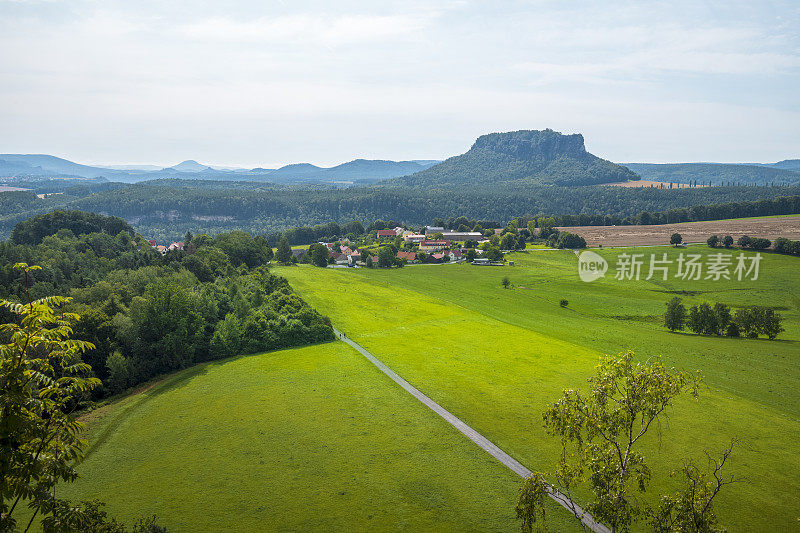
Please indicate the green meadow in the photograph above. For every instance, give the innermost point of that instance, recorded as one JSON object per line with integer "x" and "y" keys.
{"x": 496, "y": 357}
{"x": 316, "y": 438}
{"x": 305, "y": 439}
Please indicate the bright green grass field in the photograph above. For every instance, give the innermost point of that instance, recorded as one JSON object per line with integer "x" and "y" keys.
{"x": 310, "y": 439}
{"x": 496, "y": 357}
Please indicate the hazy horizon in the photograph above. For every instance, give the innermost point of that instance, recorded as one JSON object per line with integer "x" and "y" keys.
{"x": 226, "y": 165}
{"x": 247, "y": 85}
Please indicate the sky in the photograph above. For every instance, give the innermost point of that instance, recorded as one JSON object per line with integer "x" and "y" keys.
{"x": 266, "y": 83}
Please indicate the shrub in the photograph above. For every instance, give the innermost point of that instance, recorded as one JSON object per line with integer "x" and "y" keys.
{"x": 675, "y": 239}
{"x": 713, "y": 241}
{"x": 781, "y": 245}
{"x": 564, "y": 302}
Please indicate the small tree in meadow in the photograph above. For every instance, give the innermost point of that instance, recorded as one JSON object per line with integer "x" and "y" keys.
{"x": 713, "y": 241}
{"x": 675, "y": 239}
{"x": 506, "y": 283}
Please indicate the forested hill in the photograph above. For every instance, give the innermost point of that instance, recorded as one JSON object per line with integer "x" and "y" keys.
{"x": 532, "y": 156}
{"x": 165, "y": 211}
{"x": 719, "y": 173}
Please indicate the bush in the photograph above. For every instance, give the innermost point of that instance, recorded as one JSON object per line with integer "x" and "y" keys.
{"x": 727, "y": 241}
{"x": 781, "y": 245}
{"x": 713, "y": 241}
{"x": 564, "y": 302}
{"x": 744, "y": 241}
{"x": 675, "y": 239}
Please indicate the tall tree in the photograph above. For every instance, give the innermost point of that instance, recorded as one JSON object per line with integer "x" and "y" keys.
{"x": 675, "y": 315}
{"x": 284, "y": 253}
{"x": 42, "y": 382}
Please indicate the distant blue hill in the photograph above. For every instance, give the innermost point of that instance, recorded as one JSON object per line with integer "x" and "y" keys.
{"x": 360, "y": 170}
{"x": 717, "y": 173}
{"x": 51, "y": 166}
{"x": 787, "y": 164}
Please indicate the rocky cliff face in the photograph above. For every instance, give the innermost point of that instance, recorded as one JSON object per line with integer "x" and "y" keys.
{"x": 532, "y": 156}
{"x": 543, "y": 145}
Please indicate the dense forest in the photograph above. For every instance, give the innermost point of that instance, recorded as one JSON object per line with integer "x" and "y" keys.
{"x": 167, "y": 209}
{"x": 148, "y": 314}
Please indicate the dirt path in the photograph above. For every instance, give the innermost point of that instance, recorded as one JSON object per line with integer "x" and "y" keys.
{"x": 474, "y": 436}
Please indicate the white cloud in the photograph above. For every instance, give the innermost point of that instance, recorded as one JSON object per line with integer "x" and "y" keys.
{"x": 308, "y": 29}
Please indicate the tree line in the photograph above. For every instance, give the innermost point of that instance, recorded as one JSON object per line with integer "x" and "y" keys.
{"x": 705, "y": 319}
{"x": 167, "y": 209}
{"x": 782, "y": 205}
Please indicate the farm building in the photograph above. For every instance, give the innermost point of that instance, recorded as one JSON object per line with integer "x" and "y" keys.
{"x": 433, "y": 246}
{"x": 462, "y": 236}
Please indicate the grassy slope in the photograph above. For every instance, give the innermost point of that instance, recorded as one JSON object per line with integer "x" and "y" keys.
{"x": 496, "y": 357}
{"x": 306, "y": 439}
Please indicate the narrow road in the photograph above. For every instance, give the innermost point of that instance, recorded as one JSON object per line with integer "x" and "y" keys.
{"x": 474, "y": 436}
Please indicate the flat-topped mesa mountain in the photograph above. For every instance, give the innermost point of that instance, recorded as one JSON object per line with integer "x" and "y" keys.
{"x": 534, "y": 156}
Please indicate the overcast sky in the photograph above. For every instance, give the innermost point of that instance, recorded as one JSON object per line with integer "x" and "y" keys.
{"x": 257, "y": 83}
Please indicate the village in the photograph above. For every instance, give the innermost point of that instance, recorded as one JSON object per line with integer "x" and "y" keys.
{"x": 432, "y": 245}
{"x": 402, "y": 245}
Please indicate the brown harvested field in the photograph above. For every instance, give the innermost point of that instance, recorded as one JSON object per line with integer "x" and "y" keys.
{"x": 655, "y": 184}
{"x": 767, "y": 227}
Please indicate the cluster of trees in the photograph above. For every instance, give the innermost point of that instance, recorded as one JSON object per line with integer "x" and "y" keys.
{"x": 322, "y": 232}
{"x": 33, "y": 230}
{"x": 705, "y": 319}
{"x": 781, "y": 244}
{"x": 147, "y": 314}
